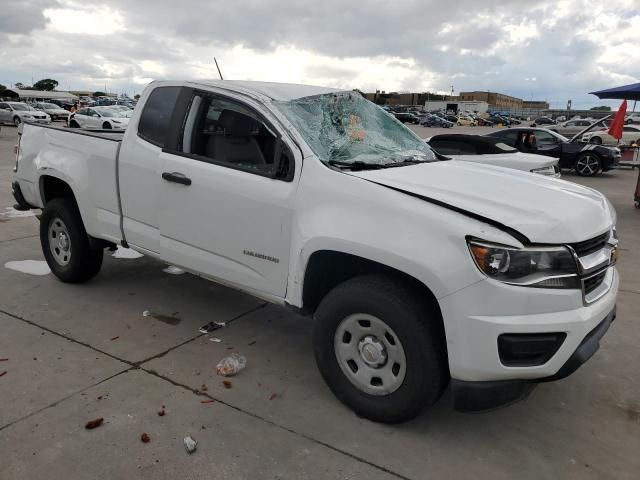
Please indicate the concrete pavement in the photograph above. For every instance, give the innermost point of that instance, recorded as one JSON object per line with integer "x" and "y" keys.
{"x": 78, "y": 352}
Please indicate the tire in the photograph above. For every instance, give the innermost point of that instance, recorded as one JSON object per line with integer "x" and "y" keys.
{"x": 74, "y": 124}
{"x": 588, "y": 164}
{"x": 419, "y": 373}
{"x": 17, "y": 121}
{"x": 595, "y": 140}
{"x": 106, "y": 126}
{"x": 70, "y": 255}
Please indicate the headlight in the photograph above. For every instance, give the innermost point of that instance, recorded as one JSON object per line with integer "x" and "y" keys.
{"x": 550, "y": 170}
{"x": 116, "y": 121}
{"x": 26, "y": 116}
{"x": 542, "y": 267}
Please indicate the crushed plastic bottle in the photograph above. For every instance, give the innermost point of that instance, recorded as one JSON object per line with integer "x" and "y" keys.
{"x": 190, "y": 444}
{"x": 232, "y": 365}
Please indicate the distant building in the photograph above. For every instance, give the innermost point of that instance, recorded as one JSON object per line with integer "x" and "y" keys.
{"x": 456, "y": 106}
{"x": 87, "y": 93}
{"x": 535, "y": 105}
{"x": 395, "y": 98}
{"x": 20, "y": 94}
{"x": 496, "y": 101}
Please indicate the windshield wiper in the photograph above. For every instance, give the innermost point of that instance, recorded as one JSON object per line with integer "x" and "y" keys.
{"x": 357, "y": 165}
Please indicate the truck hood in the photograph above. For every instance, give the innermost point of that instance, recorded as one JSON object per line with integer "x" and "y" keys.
{"x": 545, "y": 210}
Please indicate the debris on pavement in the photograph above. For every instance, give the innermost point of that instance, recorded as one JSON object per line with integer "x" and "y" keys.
{"x": 252, "y": 342}
{"x": 173, "y": 270}
{"x": 146, "y": 313}
{"x": 122, "y": 252}
{"x": 227, "y": 383}
{"x": 231, "y": 365}
{"x": 208, "y": 401}
{"x": 161, "y": 413}
{"x": 2, "y": 374}
{"x": 31, "y": 267}
{"x": 274, "y": 396}
{"x": 145, "y": 438}
{"x": 4, "y": 359}
{"x": 190, "y": 444}
{"x": 204, "y": 388}
{"x": 114, "y": 338}
{"x": 91, "y": 424}
{"x": 212, "y": 327}
{"x": 215, "y": 339}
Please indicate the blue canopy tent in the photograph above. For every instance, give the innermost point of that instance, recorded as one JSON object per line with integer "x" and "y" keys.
{"x": 626, "y": 92}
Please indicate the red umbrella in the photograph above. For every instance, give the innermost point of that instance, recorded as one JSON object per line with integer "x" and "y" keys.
{"x": 615, "y": 130}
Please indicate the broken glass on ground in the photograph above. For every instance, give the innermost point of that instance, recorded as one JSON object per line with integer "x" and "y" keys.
{"x": 173, "y": 270}
{"x": 212, "y": 327}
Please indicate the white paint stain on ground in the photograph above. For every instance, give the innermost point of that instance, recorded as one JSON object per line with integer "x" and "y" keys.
{"x": 173, "y": 270}
{"x": 11, "y": 212}
{"x": 32, "y": 267}
{"x": 122, "y": 252}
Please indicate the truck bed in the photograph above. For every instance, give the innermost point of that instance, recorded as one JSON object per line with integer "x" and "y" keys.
{"x": 86, "y": 160}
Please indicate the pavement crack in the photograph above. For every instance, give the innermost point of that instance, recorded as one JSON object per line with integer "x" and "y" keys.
{"x": 19, "y": 238}
{"x": 174, "y": 347}
{"x": 274, "y": 424}
{"x": 66, "y": 337}
{"x": 57, "y": 402}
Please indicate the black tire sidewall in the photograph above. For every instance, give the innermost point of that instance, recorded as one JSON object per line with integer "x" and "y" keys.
{"x": 84, "y": 262}
{"x": 426, "y": 366}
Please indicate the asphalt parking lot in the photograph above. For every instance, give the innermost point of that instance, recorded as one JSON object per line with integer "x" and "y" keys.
{"x": 78, "y": 352}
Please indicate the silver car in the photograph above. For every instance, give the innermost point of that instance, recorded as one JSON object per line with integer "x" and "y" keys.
{"x": 571, "y": 128}
{"x": 18, "y": 112}
{"x": 54, "y": 111}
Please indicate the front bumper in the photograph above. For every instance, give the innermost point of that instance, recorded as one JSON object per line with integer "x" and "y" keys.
{"x": 482, "y": 396}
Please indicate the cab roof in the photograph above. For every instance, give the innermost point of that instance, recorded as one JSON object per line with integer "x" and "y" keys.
{"x": 273, "y": 90}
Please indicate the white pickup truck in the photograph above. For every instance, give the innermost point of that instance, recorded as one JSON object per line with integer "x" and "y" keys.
{"x": 419, "y": 271}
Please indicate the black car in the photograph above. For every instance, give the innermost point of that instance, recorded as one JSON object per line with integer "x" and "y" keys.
{"x": 543, "y": 121}
{"x": 407, "y": 117}
{"x": 585, "y": 158}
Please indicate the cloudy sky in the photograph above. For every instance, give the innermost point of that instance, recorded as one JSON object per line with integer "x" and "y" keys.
{"x": 552, "y": 50}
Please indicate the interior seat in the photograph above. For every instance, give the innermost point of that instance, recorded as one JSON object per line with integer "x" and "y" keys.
{"x": 236, "y": 143}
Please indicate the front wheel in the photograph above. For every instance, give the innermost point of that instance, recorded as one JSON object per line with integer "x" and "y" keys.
{"x": 588, "y": 165}
{"x": 106, "y": 126}
{"x": 595, "y": 140}
{"x": 380, "y": 349}
{"x": 65, "y": 242}
{"x": 17, "y": 121}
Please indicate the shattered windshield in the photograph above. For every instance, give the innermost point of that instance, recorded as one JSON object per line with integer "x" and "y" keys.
{"x": 343, "y": 127}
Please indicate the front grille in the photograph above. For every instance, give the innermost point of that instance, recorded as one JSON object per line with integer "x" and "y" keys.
{"x": 592, "y": 245}
{"x": 591, "y": 283}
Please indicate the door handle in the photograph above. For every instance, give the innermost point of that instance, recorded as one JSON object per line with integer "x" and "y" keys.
{"x": 176, "y": 177}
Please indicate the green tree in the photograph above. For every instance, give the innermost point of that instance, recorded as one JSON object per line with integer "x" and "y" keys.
{"x": 602, "y": 108}
{"x": 99, "y": 94}
{"x": 2, "y": 87}
{"x": 20, "y": 85}
{"x": 46, "y": 84}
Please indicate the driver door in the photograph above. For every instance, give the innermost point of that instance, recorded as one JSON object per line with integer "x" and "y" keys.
{"x": 227, "y": 195}
{"x": 547, "y": 144}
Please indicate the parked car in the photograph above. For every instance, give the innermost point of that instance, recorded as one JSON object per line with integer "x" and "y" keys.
{"x": 498, "y": 120}
{"x": 630, "y": 134}
{"x": 18, "y": 112}
{"x": 416, "y": 270}
{"x": 633, "y": 117}
{"x": 492, "y": 151}
{"x": 543, "y": 121}
{"x": 466, "y": 121}
{"x": 54, "y": 111}
{"x": 406, "y": 117}
{"x": 430, "y": 120}
{"x": 65, "y": 104}
{"x": 484, "y": 122}
{"x": 586, "y": 160}
{"x": 570, "y": 128}
{"x": 106, "y": 118}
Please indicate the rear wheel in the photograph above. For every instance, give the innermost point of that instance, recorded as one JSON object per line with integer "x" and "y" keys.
{"x": 380, "y": 348}
{"x": 17, "y": 121}
{"x": 65, "y": 242}
{"x": 74, "y": 124}
{"x": 587, "y": 165}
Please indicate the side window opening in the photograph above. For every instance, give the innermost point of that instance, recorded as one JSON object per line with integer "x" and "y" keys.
{"x": 155, "y": 119}
{"x": 228, "y": 133}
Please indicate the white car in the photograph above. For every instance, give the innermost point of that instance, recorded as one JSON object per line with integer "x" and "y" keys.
{"x": 54, "y": 111}
{"x": 106, "y": 118}
{"x": 630, "y": 134}
{"x": 492, "y": 151}
{"x": 633, "y": 117}
{"x": 18, "y": 112}
{"x": 418, "y": 272}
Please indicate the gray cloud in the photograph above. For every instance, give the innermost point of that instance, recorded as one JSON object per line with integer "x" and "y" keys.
{"x": 24, "y": 16}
